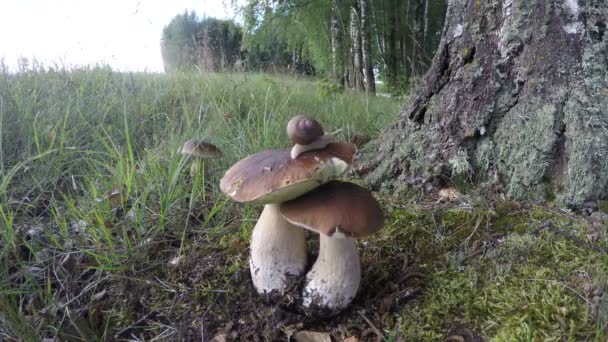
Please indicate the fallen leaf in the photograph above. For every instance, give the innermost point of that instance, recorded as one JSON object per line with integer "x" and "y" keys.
{"x": 291, "y": 329}
{"x": 175, "y": 261}
{"x": 98, "y": 295}
{"x": 108, "y": 224}
{"x": 448, "y": 195}
{"x": 68, "y": 262}
{"x": 115, "y": 197}
{"x": 221, "y": 337}
{"x": 311, "y": 336}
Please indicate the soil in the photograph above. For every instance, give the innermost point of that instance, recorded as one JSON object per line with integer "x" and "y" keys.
{"x": 274, "y": 317}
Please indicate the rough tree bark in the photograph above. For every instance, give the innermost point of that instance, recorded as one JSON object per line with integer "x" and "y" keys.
{"x": 366, "y": 49}
{"x": 516, "y": 101}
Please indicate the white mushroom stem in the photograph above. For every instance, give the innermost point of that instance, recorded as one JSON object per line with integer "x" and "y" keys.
{"x": 196, "y": 165}
{"x": 318, "y": 144}
{"x": 334, "y": 279}
{"x": 278, "y": 250}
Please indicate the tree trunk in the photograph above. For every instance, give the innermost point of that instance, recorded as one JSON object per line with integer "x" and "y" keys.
{"x": 393, "y": 53}
{"x": 355, "y": 34}
{"x": 426, "y": 23}
{"x": 418, "y": 45}
{"x": 405, "y": 63}
{"x": 366, "y": 49}
{"x": 515, "y": 101}
{"x": 336, "y": 46}
{"x": 380, "y": 34}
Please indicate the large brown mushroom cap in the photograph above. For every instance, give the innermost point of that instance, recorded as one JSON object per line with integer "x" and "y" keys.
{"x": 273, "y": 176}
{"x": 336, "y": 207}
{"x": 200, "y": 149}
{"x": 303, "y": 129}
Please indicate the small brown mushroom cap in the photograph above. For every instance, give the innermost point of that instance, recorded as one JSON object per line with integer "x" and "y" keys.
{"x": 303, "y": 129}
{"x": 200, "y": 149}
{"x": 273, "y": 176}
{"x": 336, "y": 207}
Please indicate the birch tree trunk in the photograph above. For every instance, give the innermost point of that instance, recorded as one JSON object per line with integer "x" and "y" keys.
{"x": 516, "y": 102}
{"x": 336, "y": 44}
{"x": 366, "y": 48}
{"x": 355, "y": 34}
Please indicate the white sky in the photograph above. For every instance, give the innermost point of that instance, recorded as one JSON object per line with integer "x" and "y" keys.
{"x": 122, "y": 33}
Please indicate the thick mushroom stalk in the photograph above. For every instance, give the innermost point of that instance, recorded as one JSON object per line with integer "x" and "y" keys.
{"x": 334, "y": 279}
{"x": 278, "y": 250}
{"x": 340, "y": 212}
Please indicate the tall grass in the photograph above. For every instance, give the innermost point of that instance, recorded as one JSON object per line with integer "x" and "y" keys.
{"x": 90, "y": 169}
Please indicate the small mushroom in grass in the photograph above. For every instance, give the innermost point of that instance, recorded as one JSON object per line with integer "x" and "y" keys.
{"x": 278, "y": 248}
{"x": 340, "y": 212}
{"x": 307, "y": 134}
{"x": 199, "y": 150}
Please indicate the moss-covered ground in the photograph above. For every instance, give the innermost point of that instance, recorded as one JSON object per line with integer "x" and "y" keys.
{"x": 105, "y": 236}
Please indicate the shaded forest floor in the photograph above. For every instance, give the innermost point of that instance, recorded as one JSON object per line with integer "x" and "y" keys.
{"x": 104, "y": 236}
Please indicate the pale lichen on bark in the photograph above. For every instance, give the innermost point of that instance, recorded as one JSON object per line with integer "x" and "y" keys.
{"x": 522, "y": 87}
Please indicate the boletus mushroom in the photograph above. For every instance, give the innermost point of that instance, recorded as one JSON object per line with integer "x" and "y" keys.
{"x": 199, "y": 150}
{"x": 307, "y": 135}
{"x": 340, "y": 212}
{"x": 278, "y": 248}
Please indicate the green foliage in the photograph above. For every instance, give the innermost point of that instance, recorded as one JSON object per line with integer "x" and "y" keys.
{"x": 278, "y": 28}
{"x": 295, "y": 36}
{"x": 286, "y": 35}
{"x": 178, "y": 42}
{"x": 328, "y": 90}
{"x": 290, "y": 26}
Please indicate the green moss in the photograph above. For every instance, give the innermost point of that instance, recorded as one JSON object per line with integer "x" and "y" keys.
{"x": 464, "y": 52}
{"x": 526, "y": 287}
{"x": 456, "y": 218}
{"x": 503, "y": 208}
{"x": 550, "y": 192}
{"x": 521, "y": 228}
{"x": 403, "y": 214}
{"x": 509, "y": 295}
{"x": 508, "y": 222}
{"x": 544, "y": 215}
{"x": 603, "y": 206}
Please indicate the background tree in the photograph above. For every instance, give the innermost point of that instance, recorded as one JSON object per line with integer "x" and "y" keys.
{"x": 366, "y": 47}
{"x": 178, "y": 42}
{"x": 208, "y": 43}
{"x": 294, "y": 27}
{"x": 218, "y": 44}
{"x": 353, "y": 41}
{"x": 515, "y": 101}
